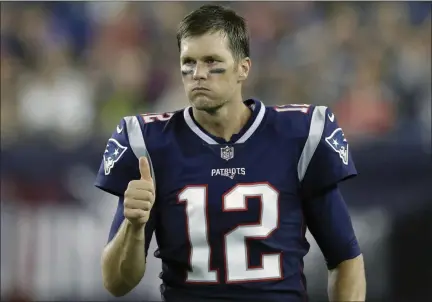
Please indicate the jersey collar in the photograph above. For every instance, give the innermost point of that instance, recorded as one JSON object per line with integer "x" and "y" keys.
{"x": 258, "y": 112}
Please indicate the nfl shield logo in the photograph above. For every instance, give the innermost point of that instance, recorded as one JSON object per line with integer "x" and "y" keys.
{"x": 227, "y": 153}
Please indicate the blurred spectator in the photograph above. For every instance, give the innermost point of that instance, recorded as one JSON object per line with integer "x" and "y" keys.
{"x": 56, "y": 97}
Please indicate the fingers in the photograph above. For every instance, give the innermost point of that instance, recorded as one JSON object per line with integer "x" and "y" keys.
{"x": 140, "y": 184}
{"x": 140, "y": 194}
{"x": 144, "y": 168}
{"x": 138, "y": 204}
{"x": 136, "y": 214}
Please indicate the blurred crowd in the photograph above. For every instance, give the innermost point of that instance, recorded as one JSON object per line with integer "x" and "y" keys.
{"x": 71, "y": 70}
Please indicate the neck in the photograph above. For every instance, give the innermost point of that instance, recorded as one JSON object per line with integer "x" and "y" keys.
{"x": 226, "y": 121}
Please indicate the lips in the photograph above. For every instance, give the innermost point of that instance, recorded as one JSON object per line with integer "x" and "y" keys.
{"x": 200, "y": 89}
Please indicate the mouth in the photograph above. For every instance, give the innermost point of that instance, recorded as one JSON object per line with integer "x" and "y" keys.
{"x": 200, "y": 89}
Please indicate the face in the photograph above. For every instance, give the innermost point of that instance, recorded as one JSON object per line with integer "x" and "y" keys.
{"x": 211, "y": 75}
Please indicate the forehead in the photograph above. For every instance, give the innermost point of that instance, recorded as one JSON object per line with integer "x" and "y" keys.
{"x": 205, "y": 45}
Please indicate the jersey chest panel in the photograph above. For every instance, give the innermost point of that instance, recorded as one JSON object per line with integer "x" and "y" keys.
{"x": 244, "y": 205}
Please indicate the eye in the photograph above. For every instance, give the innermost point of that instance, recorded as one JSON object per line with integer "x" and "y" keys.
{"x": 188, "y": 62}
{"x": 210, "y": 61}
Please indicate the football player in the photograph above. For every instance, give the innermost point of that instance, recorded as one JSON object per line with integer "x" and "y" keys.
{"x": 228, "y": 186}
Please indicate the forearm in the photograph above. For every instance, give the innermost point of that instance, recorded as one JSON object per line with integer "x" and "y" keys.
{"x": 123, "y": 260}
{"x": 347, "y": 281}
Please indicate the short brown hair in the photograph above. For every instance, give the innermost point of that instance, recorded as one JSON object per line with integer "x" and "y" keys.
{"x": 211, "y": 18}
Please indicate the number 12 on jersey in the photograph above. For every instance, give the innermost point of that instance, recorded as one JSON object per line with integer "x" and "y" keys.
{"x": 236, "y": 252}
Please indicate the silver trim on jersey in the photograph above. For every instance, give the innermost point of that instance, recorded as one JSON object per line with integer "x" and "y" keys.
{"x": 315, "y": 133}
{"x": 194, "y": 127}
{"x": 136, "y": 141}
{"x": 253, "y": 127}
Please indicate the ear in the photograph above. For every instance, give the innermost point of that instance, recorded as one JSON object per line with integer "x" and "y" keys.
{"x": 244, "y": 67}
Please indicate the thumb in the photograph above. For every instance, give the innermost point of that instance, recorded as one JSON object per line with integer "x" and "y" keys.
{"x": 144, "y": 168}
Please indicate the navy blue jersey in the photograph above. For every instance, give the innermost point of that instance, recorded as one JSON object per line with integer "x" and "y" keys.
{"x": 229, "y": 217}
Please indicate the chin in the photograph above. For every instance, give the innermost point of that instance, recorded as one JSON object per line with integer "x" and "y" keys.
{"x": 206, "y": 104}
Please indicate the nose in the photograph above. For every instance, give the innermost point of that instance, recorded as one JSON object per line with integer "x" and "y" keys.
{"x": 200, "y": 72}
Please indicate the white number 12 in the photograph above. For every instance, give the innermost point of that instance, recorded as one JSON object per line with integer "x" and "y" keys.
{"x": 236, "y": 252}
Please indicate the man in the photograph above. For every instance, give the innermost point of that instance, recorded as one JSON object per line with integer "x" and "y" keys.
{"x": 229, "y": 186}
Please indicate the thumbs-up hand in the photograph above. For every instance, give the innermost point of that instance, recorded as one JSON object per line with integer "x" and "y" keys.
{"x": 140, "y": 196}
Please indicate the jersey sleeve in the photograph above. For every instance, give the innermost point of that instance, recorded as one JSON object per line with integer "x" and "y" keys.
{"x": 325, "y": 159}
{"x": 120, "y": 165}
{"x": 328, "y": 220}
{"x": 120, "y": 158}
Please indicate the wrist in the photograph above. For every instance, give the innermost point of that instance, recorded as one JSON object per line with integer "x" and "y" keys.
{"x": 137, "y": 230}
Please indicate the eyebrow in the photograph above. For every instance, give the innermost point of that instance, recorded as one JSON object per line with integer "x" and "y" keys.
{"x": 209, "y": 56}
{"x": 186, "y": 59}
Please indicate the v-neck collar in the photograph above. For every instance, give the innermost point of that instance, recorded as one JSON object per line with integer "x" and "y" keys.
{"x": 258, "y": 112}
